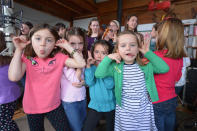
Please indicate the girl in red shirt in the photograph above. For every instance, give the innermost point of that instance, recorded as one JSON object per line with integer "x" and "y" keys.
{"x": 170, "y": 47}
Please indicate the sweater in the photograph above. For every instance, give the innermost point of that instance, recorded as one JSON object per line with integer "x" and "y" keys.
{"x": 165, "y": 83}
{"x": 101, "y": 90}
{"x": 110, "y": 68}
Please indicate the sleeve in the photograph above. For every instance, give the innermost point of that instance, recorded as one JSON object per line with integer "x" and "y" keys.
{"x": 179, "y": 70}
{"x": 70, "y": 74}
{"x": 105, "y": 68}
{"x": 23, "y": 58}
{"x": 109, "y": 82}
{"x": 186, "y": 61}
{"x": 159, "y": 65}
{"x": 90, "y": 79}
{"x": 62, "y": 57}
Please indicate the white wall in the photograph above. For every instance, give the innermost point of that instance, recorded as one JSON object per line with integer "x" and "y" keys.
{"x": 36, "y": 17}
{"x": 83, "y": 23}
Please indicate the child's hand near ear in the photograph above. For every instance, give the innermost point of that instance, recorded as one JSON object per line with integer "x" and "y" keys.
{"x": 145, "y": 45}
{"x": 20, "y": 42}
{"x": 90, "y": 60}
{"x": 115, "y": 56}
{"x": 61, "y": 43}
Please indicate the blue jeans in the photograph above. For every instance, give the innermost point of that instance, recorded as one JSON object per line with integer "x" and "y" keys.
{"x": 165, "y": 114}
{"x": 76, "y": 114}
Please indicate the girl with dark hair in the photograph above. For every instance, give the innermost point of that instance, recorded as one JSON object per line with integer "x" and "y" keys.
{"x": 131, "y": 23}
{"x": 73, "y": 92}
{"x": 9, "y": 92}
{"x": 101, "y": 90}
{"x": 93, "y": 32}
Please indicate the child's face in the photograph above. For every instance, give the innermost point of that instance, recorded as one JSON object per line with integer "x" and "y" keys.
{"x": 127, "y": 48}
{"x": 77, "y": 43}
{"x": 43, "y": 43}
{"x": 25, "y": 29}
{"x": 110, "y": 33}
{"x": 94, "y": 26}
{"x": 113, "y": 26}
{"x": 99, "y": 53}
{"x": 61, "y": 32}
{"x": 132, "y": 23}
{"x": 153, "y": 33}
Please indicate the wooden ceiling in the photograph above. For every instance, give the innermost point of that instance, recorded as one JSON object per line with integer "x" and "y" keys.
{"x": 70, "y": 10}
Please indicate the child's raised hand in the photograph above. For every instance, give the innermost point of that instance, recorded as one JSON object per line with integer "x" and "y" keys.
{"x": 145, "y": 45}
{"x": 61, "y": 43}
{"x": 20, "y": 42}
{"x": 115, "y": 56}
{"x": 90, "y": 60}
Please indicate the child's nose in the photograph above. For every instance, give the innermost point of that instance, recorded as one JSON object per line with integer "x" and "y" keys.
{"x": 43, "y": 43}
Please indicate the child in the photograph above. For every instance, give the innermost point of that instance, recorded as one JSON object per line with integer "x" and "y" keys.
{"x": 43, "y": 65}
{"x": 170, "y": 47}
{"x": 61, "y": 29}
{"x": 131, "y": 23}
{"x": 9, "y": 92}
{"x": 73, "y": 92}
{"x": 154, "y": 34}
{"x": 102, "y": 99}
{"x": 133, "y": 82}
{"x": 93, "y": 32}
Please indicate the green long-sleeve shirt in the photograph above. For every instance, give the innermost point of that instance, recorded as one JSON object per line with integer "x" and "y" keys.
{"x": 110, "y": 68}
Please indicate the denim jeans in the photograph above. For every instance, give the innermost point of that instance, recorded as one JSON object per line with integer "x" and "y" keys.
{"x": 165, "y": 114}
{"x": 76, "y": 114}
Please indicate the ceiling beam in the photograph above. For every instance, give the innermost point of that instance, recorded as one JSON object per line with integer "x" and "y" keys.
{"x": 86, "y": 5}
{"x": 69, "y": 5}
{"x": 48, "y": 7}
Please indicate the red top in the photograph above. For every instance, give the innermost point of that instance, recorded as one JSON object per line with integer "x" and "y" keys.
{"x": 42, "y": 86}
{"x": 165, "y": 83}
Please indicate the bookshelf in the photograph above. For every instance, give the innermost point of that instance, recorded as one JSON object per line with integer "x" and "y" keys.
{"x": 190, "y": 33}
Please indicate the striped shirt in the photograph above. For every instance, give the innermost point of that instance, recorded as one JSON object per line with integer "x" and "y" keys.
{"x": 136, "y": 112}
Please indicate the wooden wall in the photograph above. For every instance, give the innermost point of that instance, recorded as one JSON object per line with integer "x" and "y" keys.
{"x": 182, "y": 9}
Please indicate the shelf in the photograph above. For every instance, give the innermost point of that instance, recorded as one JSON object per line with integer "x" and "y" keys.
{"x": 191, "y": 47}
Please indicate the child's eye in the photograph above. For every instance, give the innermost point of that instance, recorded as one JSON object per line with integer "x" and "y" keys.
{"x": 104, "y": 53}
{"x": 49, "y": 41}
{"x": 122, "y": 46}
{"x": 95, "y": 51}
{"x": 72, "y": 43}
{"x": 37, "y": 38}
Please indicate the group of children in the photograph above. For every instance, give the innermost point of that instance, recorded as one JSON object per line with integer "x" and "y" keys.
{"x": 131, "y": 87}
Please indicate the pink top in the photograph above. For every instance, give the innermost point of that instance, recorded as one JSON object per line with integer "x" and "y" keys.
{"x": 70, "y": 93}
{"x": 42, "y": 86}
{"x": 165, "y": 83}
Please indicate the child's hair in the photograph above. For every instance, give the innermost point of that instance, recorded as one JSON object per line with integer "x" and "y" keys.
{"x": 104, "y": 43}
{"x": 89, "y": 29}
{"x": 4, "y": 60}
{"x": 29, "y": 24}
{"x": 140, "y": 36}
{"x": 127, "y": 32}
{"x": 127, "y": 19}
{"x": 59, "y": 25}
{"x": 171, "y": 37}
{"x": 76, "y": 31}
{"x": 155, "y": 26}
{"x": 29, "y": 51}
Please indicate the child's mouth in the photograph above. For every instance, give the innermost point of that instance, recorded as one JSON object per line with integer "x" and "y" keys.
{"x": 42, "y": 51}
{"x": 129, "y": 54}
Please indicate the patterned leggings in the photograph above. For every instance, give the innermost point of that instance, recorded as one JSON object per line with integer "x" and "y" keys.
{"x": 56, "y": 117}
{"x": 6, "y": 114}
